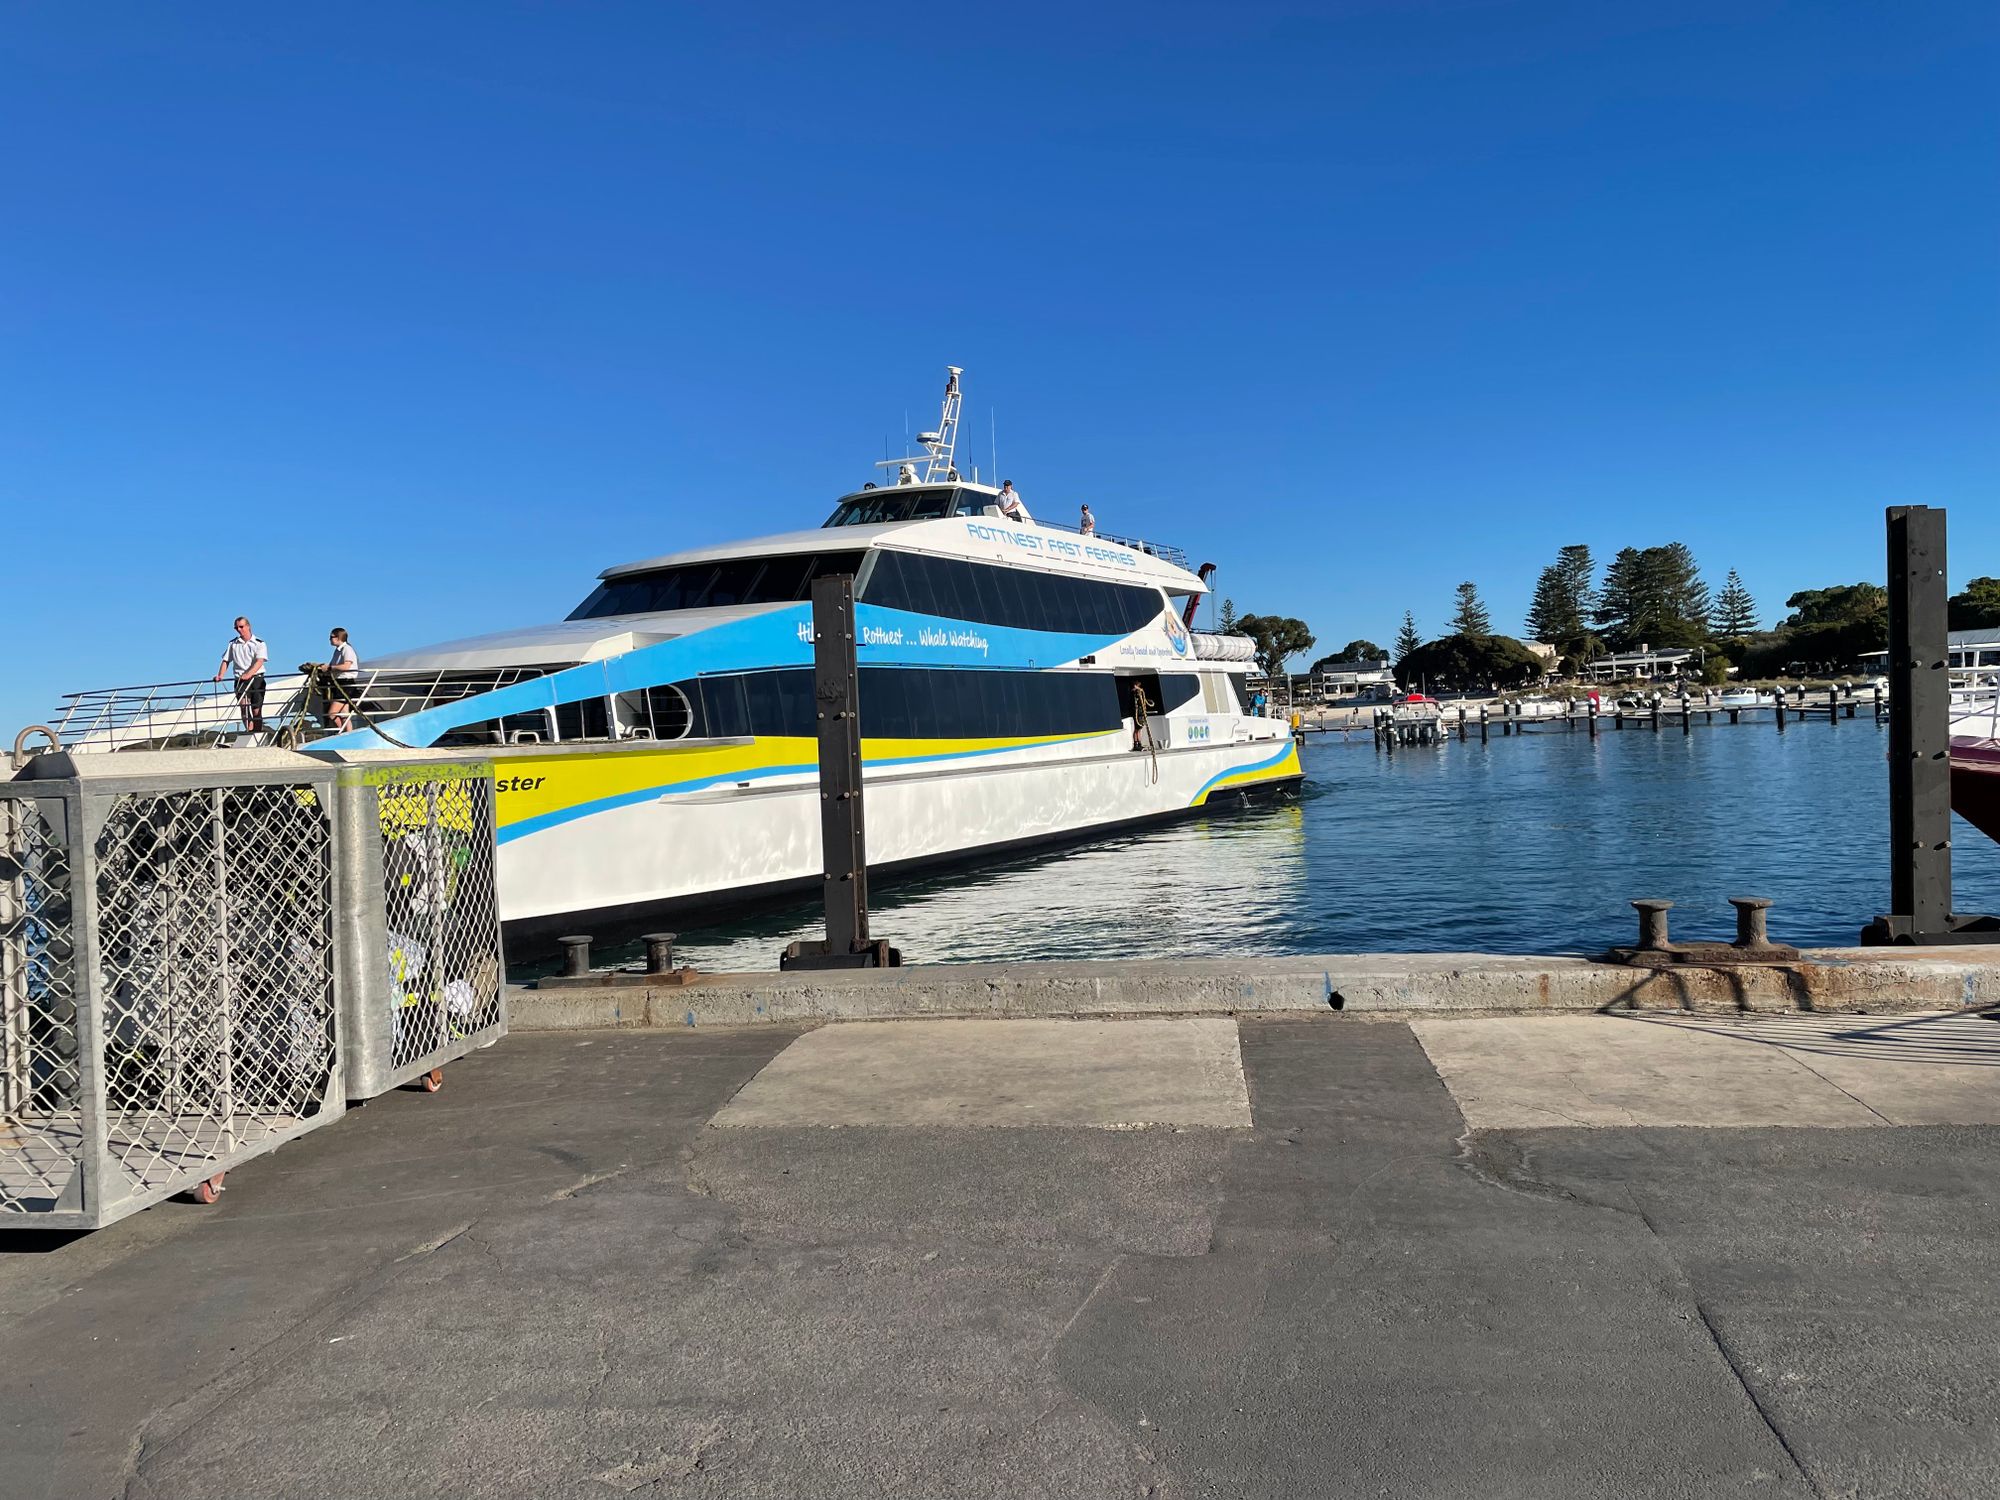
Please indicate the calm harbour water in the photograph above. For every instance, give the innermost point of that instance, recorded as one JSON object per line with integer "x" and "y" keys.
{"x": 1529, "y": 844}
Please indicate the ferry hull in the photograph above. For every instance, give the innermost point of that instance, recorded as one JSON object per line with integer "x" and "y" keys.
{"x": 668, "y": 832}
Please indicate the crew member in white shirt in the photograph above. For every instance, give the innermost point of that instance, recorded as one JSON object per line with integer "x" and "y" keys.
{"x": 245, "y": 656}
{"x": 1010, "y": 502}
{"x": 1088, "y": 525}
{"x": 338, "y": 673}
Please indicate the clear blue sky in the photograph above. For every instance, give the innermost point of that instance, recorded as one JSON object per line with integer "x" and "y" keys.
{"x": 411, "y": 318}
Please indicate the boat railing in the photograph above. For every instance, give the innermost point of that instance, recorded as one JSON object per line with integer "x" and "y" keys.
{"x": 1162, "y": 550}
{"x": 163, "y": 715}
{"x": 1975, "y": 709}
{"x": 201, "y": 712}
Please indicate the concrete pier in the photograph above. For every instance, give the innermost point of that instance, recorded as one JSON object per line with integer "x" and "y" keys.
{"x": 1566, "y": 1256}
{"x": 1835, "y": 980}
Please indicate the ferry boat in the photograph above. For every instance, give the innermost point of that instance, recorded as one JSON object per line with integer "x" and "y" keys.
{"x": 1022, "y": 683}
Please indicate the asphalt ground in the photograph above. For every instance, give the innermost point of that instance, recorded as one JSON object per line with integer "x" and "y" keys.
{"x": 565, "y": 1276}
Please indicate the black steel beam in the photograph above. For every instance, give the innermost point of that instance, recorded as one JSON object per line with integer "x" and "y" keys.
{"x": 1920, "y": 899}
{"x": 843, "y": 828}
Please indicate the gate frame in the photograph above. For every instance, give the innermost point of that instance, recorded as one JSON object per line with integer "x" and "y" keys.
{"x": 87, "y": 787}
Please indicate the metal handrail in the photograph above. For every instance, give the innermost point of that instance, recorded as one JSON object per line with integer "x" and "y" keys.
{"x": 1162, "y": 550}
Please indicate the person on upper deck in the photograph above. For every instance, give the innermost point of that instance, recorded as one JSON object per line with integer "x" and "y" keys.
{"x": 1010, "y": 502}
{"x": 245, "y": 656}
{"x": 337, "y": 673}
{"x": 1088, "y": 525}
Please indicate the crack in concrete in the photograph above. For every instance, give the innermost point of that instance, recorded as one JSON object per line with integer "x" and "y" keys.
{"x": 1483, "y": 1161}
{"x": 588, "y": 1181}
{"x": 1088, "y": 1298}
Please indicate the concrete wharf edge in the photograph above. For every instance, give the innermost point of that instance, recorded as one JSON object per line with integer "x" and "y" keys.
{"x": 1829, "y": 980}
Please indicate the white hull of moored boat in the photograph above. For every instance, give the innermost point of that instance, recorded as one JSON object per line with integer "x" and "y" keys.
{"x": 747, "y": 832}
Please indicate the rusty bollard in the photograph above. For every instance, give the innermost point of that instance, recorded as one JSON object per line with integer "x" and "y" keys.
{"x": 1751, "y": 931}
{"x": 1652, "y": 925}
{"x": 660, "y": 952}
{"x": 576, "y": 956}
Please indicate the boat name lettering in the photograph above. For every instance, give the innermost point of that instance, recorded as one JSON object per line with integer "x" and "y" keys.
{"x": 970, "y": 639}
{"x": 875, "y": 635}
{"x": 1054, "y": 546}
{"x": 517, "y": 783}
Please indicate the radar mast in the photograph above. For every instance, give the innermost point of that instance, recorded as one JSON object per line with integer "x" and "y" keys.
{"x": 937, "y": 445}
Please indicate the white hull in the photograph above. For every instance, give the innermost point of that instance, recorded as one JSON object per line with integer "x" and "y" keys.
{"x": 736, "y": 838}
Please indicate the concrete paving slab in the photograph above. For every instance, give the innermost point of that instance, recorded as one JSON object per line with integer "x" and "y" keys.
{"x": 557, "y": 1279}
{"x": 1521, "y": 1072}
{"x": 1908, "y": 1070}
{"x": 1104, "y": 1074}
{"x": 1511, "y": 1073}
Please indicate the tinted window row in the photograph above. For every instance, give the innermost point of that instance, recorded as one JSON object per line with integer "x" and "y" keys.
{"x": 735, "y": 580}
{"x": 1018, "y": 597}
{"x": 914, "y": 703}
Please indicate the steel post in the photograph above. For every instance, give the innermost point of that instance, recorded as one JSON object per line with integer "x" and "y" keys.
{"x": 1919, "y": 721}
{"x": 842, "y": 825}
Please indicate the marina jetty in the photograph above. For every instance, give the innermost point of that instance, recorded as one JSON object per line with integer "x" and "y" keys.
{"x": 1819, "y": 981}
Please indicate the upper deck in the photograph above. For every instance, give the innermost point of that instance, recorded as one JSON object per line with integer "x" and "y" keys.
{"x": 908, "y": 513}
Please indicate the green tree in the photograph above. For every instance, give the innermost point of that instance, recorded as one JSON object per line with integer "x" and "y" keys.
{"x": 1228, "y": 623}
{"x": 1407, "y": 639}
{"x": 1653, "y": 597}
{"x": 1565, "y": 598}
{"x": 1470, "y": 616}
{"x": 1353, "y": 651}
{"x": 1735, "y": 610}
{"x": 1278, "y": 638}
{"x": 1843, "y": 604}
{"x": 1470, "y": 661}
{"x": 1683, "y": 595}
{"x": 1978, "y": 608}
{"x": 1618, "y": 601}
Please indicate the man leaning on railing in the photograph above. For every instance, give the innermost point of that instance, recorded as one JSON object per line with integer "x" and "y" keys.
{"x": 245, "y": 656}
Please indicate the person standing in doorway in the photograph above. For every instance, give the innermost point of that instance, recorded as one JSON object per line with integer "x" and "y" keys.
{"x": 245, "y": 656}
{"x": 1088, "y": 525}
{"x": 1010, "y": 502}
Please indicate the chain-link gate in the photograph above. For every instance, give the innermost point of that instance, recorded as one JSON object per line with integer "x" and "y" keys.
{"x": 426, "y": 981}
{"x": 167, "y": 968}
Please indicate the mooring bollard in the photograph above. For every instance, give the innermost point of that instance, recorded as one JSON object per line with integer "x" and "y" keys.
{"x": 660, "y": 952}
{"x": 1652, "y": 924}
{"x": 1482, "y": 723}
{"x": 1751, "y": 928}
{"x": 576, "y": 956}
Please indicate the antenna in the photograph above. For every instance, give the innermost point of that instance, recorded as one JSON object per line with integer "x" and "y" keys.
{"x": 993, "y": 434}
{"x": 937, "y": 445}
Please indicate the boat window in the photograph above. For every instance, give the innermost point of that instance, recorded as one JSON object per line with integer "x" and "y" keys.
{"x": 584, "y": 719}
{"x": 913, "y": 703}
{"x": 1239, "y": 689}
{"x": 1022, "y": 598}
{"x": 984, "y": 703}
{"x": 894, "y": 503}
{"x": 1177, "y": 688}
{"x": 786, "y": 579}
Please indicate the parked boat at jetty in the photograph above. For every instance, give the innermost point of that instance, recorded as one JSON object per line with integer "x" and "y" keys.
{"x": 1021, "y": 683}
{"x": 1975, "y": 758}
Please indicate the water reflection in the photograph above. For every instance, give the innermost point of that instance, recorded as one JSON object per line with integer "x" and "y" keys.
{"x": 1532, "y": 844}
